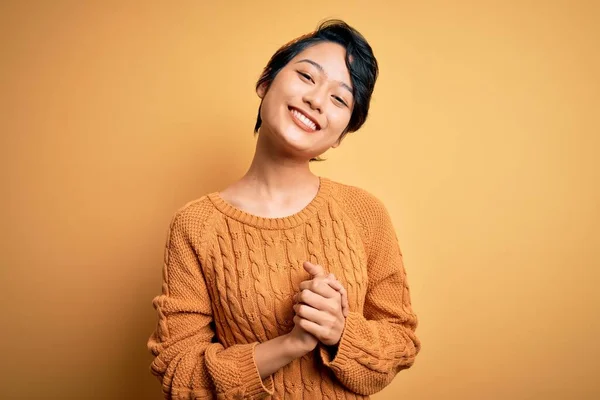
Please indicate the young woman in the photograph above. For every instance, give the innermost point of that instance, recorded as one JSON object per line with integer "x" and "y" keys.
{"x": 286, "y": 284}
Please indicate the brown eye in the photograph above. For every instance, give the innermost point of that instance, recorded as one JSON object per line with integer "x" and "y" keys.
{"x": 306, "y": 76}
{"x": 340, "y": 100}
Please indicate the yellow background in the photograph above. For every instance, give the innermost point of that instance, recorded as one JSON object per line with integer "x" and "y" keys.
{"x": 482, "y": 142}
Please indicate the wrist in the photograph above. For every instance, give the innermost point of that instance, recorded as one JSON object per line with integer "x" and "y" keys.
{"x": 294, "y": 347}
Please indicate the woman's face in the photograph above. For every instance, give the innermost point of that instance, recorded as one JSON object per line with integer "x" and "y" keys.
{"x": 309, "y": 103}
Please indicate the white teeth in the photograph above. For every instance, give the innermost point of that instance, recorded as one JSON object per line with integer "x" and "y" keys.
{"x": 305, "y": 120}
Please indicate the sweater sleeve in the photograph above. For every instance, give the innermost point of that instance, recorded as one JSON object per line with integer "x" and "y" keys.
{"x": 188, "y": 359}
{"x": 381, "y": 341}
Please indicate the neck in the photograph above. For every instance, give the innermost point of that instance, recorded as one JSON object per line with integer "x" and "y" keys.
{"x": 274, "y": 173}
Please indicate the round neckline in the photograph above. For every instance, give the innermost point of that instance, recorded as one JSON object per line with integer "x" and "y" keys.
{"x": 289, "y": 221}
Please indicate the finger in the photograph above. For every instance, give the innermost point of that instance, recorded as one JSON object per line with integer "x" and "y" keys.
{"x": 312, "y": 314}
{"x": 313, "y": 269}
{"x": 309, "y": 326}
{"x": 324, "y": 281}
{"x": 325, "y": 307}
{"x": 317, "y": 301}
{"x": 320, "y": 286}
{"x": 342, "y": 291}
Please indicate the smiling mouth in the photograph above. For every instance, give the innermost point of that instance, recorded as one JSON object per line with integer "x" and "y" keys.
{"x": 304, "y": 121}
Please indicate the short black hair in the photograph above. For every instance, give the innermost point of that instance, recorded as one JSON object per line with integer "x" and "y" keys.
{"x": 360, "y": 61}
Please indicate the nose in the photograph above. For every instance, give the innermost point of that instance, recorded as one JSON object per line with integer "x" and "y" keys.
{"x": 315, "y": 97}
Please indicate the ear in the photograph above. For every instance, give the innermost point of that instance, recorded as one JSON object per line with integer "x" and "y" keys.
{"x": 261, "y": 90}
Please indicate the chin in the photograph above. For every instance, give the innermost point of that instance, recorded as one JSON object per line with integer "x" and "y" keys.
{"x": 293, "y": 140}
{"x": 292, "y": 145}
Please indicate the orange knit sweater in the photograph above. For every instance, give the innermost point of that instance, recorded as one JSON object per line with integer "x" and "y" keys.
{"x": 228, "y": 283}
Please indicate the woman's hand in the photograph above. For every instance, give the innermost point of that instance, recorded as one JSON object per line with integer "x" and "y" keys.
{"x": 321, "y": 306}
{"x": 301, "y": 340}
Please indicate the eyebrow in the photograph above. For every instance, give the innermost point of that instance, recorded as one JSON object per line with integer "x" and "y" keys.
{"x": 320, "y": 68}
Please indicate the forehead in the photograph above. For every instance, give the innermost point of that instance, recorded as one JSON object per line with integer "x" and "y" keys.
{"x": 331, "y": 56}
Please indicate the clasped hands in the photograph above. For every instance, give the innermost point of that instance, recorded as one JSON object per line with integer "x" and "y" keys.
{"x": 321, "y": 307}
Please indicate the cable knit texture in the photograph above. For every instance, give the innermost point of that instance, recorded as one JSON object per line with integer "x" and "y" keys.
{"x": 228, "y": 282}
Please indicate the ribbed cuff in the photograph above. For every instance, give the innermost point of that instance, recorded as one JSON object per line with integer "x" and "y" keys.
{"x": 256, "y": 388}
{"x": 345, "y": 346}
